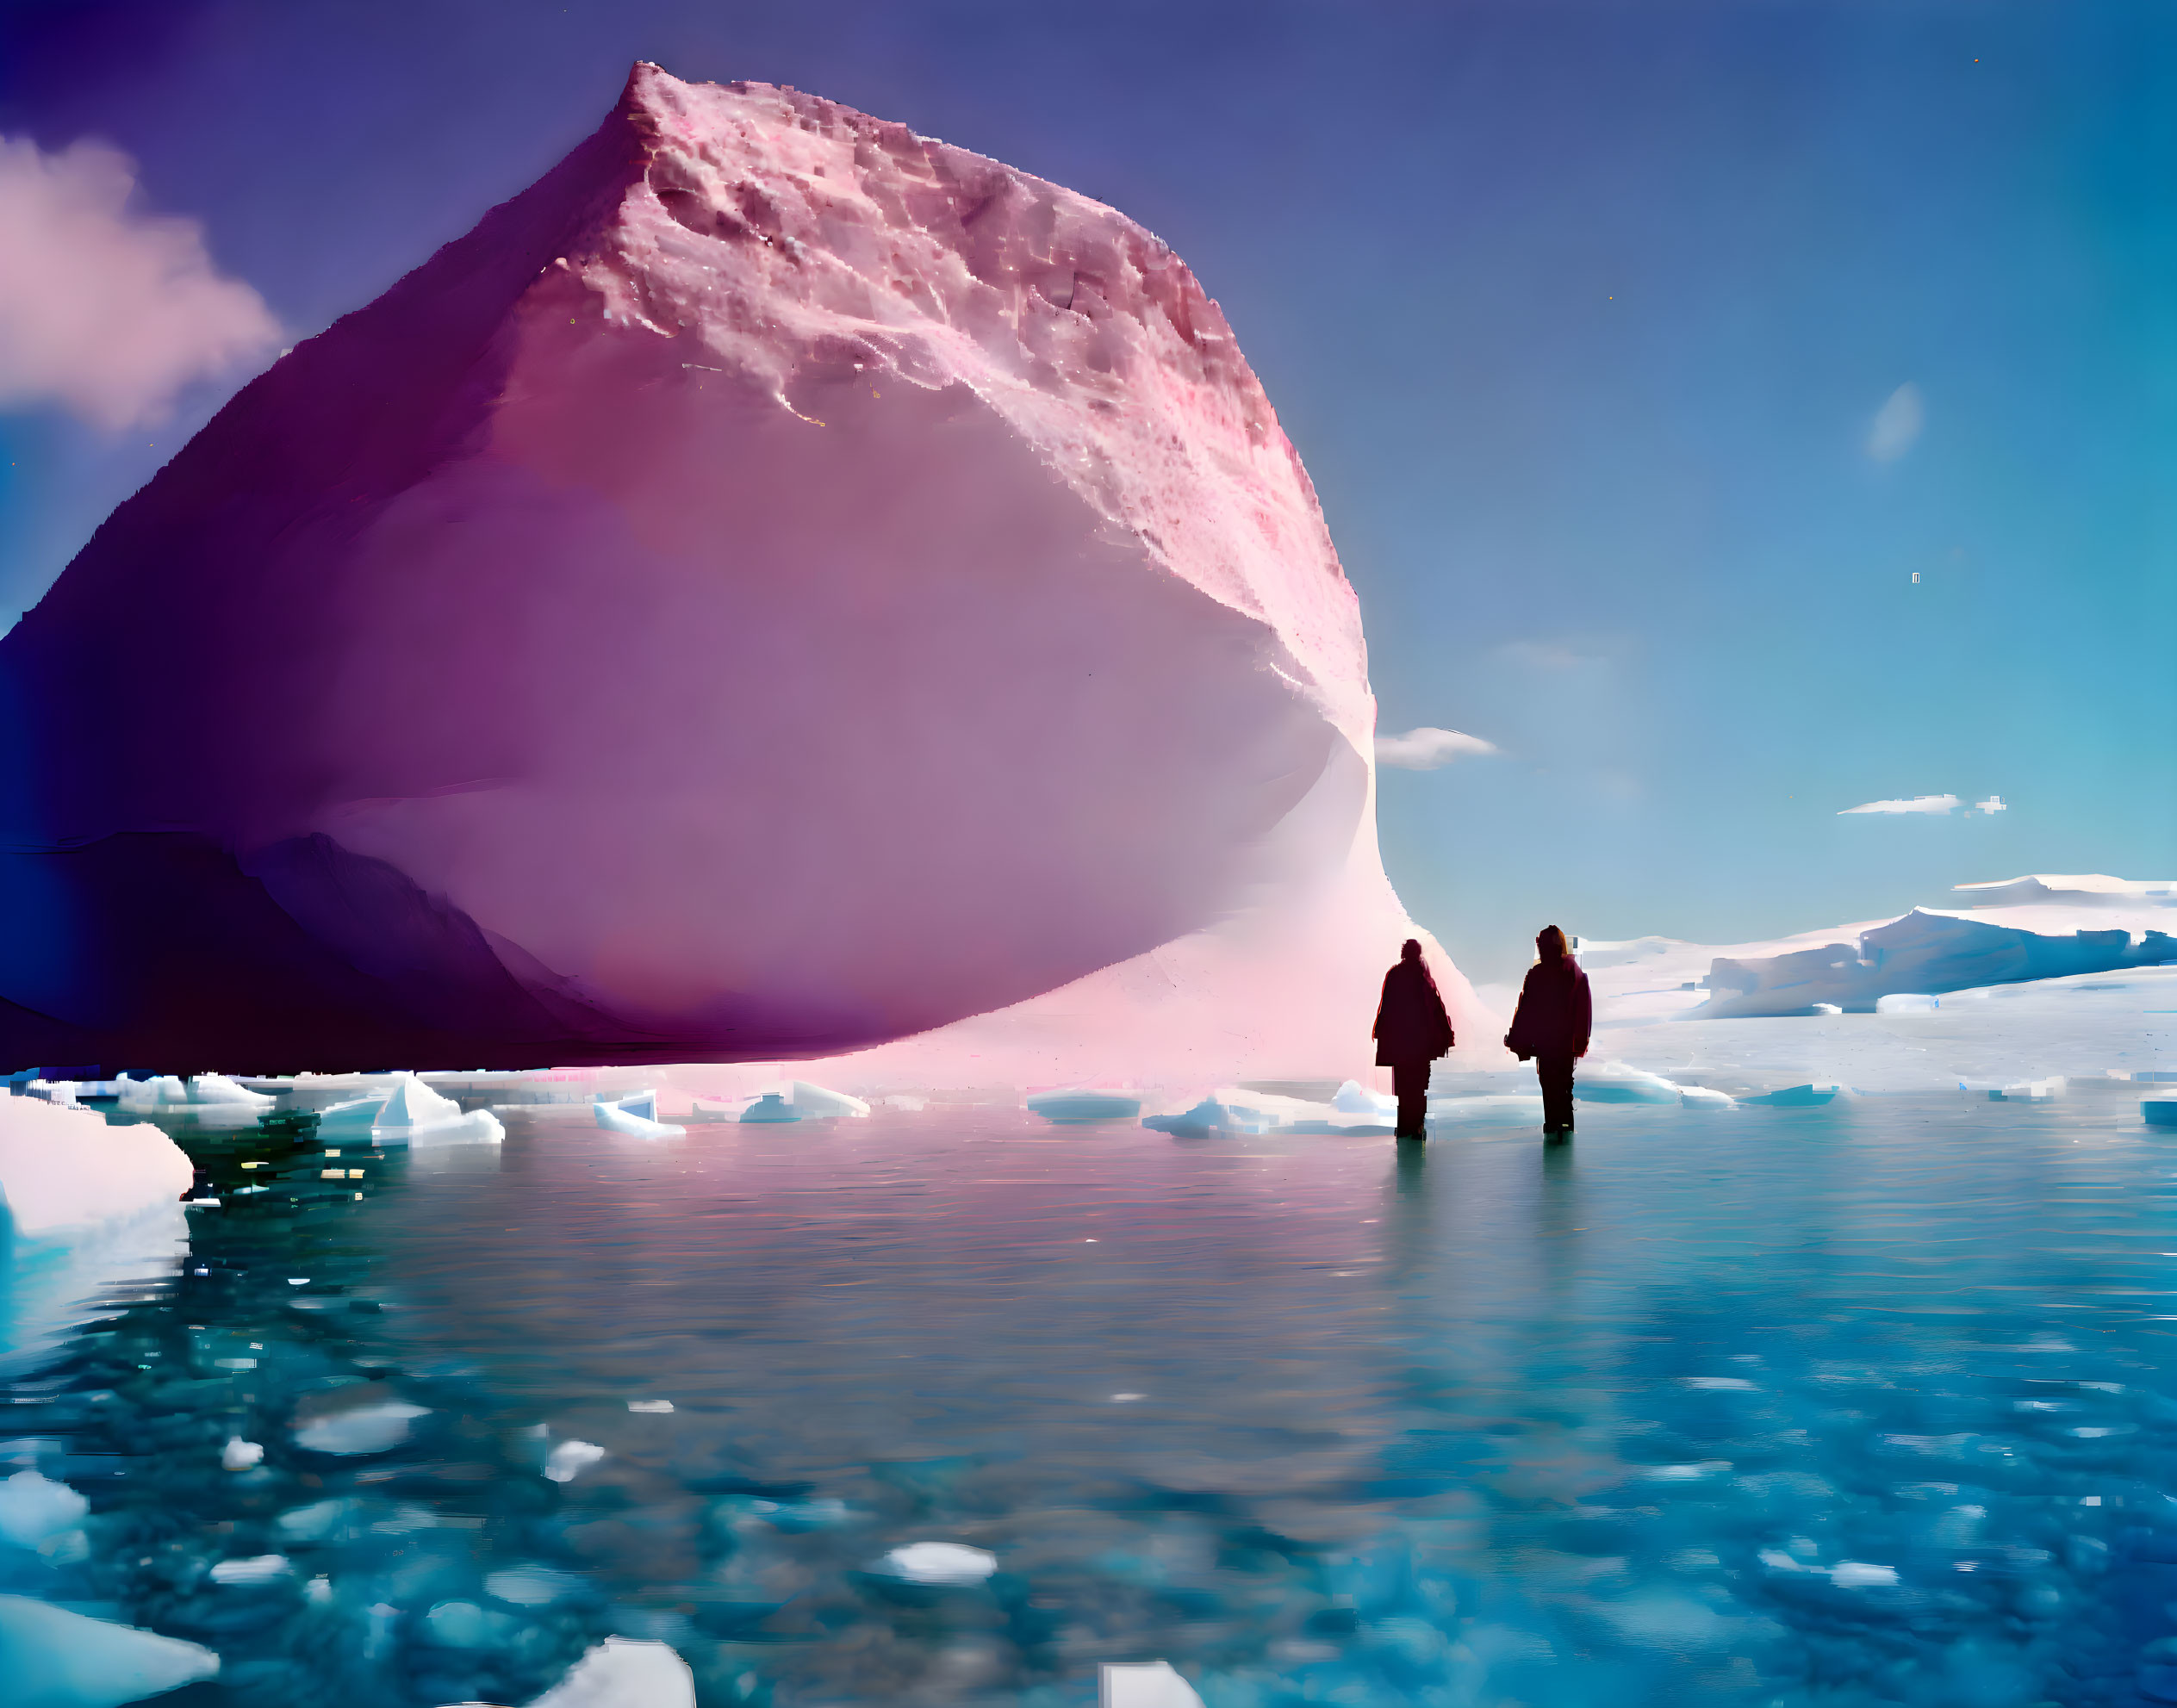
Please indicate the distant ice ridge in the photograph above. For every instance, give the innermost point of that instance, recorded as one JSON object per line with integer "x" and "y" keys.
{"x": 2018, "y": 929}
{"x": 82, "y": 1204}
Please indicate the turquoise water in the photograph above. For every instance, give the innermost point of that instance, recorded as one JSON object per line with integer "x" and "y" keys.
{"x": 1853, "y": 1405}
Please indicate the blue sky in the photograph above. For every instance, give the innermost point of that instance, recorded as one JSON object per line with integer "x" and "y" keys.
{"x": 1580, "y": 315}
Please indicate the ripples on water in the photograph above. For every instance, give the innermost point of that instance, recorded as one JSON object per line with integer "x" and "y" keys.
{"x": 1854, "y": 1405}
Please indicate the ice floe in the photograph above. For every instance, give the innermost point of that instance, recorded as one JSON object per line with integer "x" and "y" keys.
{"x": 635, "y": 1115}
{"x": 375, "y": 1427}
{"x": 939, "y": 1562}
{"x": 82, "y": 1203}
{"x": 415, "y": 1115}
{"x": 1145, "y": 1684}
{"x": 51, "y": 1657}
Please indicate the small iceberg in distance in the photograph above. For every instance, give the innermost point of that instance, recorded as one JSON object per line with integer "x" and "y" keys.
{"x": 635, "y": 1115}
{"x": 1208, "y": 1118}
{"x": 821, "y": 1102}
{"x": 770, "y": 1107}
{"x": 1085, "y": 1105}
{"x": 415, "y": 1115}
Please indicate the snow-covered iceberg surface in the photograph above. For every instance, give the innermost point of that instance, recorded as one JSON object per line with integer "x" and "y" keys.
{"x": 975, "y": 474}
{"x": 82, "y": 1204}
{"x": 2016, "y": 930}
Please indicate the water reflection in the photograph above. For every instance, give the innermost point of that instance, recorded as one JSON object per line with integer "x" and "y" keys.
{"x": 1851, "y": 1404}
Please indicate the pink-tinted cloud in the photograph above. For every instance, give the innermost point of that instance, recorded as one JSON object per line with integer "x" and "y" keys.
{"x": 105, "y": 310}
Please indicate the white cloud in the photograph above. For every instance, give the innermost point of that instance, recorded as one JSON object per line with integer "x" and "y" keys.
{"x": 104, "y": 309}
{"x": 1425, "y": 749}
{"x": 1928, "y": 803}
{"x": 1897, "y": 424}
{"x": 1992, "y": 805}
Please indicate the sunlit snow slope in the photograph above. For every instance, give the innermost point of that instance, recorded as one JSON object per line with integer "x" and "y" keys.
{"x": 779, "y": 584}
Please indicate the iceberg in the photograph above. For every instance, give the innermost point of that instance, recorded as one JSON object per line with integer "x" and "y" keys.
{"x": 2159, "y": 1111}
{"x": 635, "y": 1115}
{"x": 52, "y": 1658}
{"x": 770, "y": 1107}
{"x": 415, "y": 1115}
{"x": 82, "y": 1203}
{"x": 818, "y": 1102}
{"x": 968, "y": 463}
{"x": 2017, "y": 930}
{"x": 1353, "y": 1098}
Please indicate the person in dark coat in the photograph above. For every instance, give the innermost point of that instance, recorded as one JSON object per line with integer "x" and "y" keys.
{"x": 1411, "y": 1031}
{"x": 1553, "y": 1023}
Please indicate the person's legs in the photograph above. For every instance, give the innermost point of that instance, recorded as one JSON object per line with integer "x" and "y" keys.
{"x": 1555, "y": 1074}
{"x": 1409, "y": 1080}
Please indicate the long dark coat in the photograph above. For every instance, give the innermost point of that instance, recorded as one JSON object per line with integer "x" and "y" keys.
{"x": 1556, "y": 1013}
{"x": 1411, "y": 1025}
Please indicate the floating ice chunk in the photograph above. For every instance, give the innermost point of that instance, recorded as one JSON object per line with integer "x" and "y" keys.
{"x": 1613, "y": 1082}
{"x": 941, "y": 1563}
{"x": 1209, "y": 1116}
{"x": 33, "y": 1509}
{"x": 320, "y": 1521}
{"x": 1795, "y": 1096}
{"x": 51, "y": 1658}
{"x": 1907, "y": 1002}
{"x": 570, "y": 1459}
{"x": 217, "y": 1088}
{"x": 1085, "y": 1105}
{"x": 635, "y": 1116}
{"x": 81, "y": 1203}
{"x": 361, "y": 1429}
{"x": 1701, "y": 1097}
{"x": 770, "y": 1107}
{"x": 162, "y": 1091}
{"x": 257, "y": 1569}
{"x": 818, "y": 1102}
{"x": 624, "y": 1672}
{"x": 531, "y": 1586}
{"x": 1353, "y": 1098}
{"x": 239, "y": 1455}
{"x": 1147, "y": 1684}
{"x": 2029, "y": 1090}
{"x": 659, "y": 1406}
{"x": 358, "y": 1116}
{"x": 415, "y": 1115}
{"x": 1859, "y": 1575}
{"x": 1823, "y": 1009}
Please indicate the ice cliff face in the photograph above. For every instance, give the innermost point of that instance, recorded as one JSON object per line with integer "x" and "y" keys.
{"x": 779, "y": 584}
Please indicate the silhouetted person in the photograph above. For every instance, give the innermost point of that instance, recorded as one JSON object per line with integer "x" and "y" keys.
{"x": 1552, "y": 1024}
{"x": 1411, "y": 1031}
